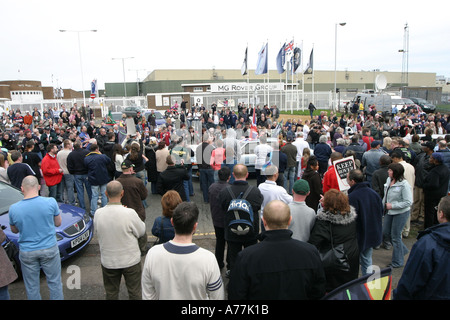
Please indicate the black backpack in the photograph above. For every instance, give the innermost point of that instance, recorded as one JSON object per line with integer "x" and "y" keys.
{"x": 239, "y": 216}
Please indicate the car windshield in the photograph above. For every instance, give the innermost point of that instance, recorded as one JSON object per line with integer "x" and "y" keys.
{"x": 8, "y": 196}
{"x": 116, "y": 116}
{"x": 407, "y": 101}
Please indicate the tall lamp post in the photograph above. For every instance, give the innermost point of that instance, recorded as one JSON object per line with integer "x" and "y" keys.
{"x": 123, "y": 69}
{"x": 81, "y": 61}
{"x": 335, "y": 59}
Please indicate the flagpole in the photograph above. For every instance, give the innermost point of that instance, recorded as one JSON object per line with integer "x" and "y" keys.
{"x": 248, "y": 79}
{"x": 314, "y": 102}
{"x": 280, "y": 104}
{"x": 303, "y": 82}
{"x": 268, "y": 75}
{"x": 292, "y": 74}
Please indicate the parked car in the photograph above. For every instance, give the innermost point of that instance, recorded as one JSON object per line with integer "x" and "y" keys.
{"x": 248, "y": 156}
{"x": 74, "y": 233}
{"x": 113, "y": 117}
{"x": 160, "y": 119}
{"x": 424, "y": 104}
{"x": 132, "y": 111}
{"x": 404, "y": 103}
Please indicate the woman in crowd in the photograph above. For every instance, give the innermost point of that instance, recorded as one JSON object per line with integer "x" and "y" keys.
{"x": 336, "y": 222}
{"x": 117, "y": 156}
{"x": 397, "y": 201}
{"x": 162, "y": 227}
{"x": 315, "y": 183}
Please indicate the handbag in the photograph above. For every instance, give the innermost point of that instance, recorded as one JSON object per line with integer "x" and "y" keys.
{"x": 11, "y": 249}
{"x": 334, "y": 259}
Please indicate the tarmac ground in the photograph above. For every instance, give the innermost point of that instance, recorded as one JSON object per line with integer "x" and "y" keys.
{"x": 82, "y": 276}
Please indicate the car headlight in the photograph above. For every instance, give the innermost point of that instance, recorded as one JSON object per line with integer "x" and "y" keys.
{"x": 86, "y": 217}
{"x": 58, "y": 237}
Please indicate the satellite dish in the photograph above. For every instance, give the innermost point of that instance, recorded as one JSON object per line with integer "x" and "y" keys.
{"x": 380, "y": 82}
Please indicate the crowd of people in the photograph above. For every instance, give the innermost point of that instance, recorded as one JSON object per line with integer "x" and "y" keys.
{"x": 298, "y": 212}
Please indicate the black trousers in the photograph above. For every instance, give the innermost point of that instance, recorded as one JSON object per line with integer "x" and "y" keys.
{"x": 430, "y": 203}
{"x": 220, "y": 246}
{"x": 234, "y": 248}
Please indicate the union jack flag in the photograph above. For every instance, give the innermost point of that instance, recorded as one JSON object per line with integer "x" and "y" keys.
{"x": 289, "y": 48}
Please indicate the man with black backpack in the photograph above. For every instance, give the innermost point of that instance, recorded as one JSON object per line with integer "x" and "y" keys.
{"x": 241, "y": 202}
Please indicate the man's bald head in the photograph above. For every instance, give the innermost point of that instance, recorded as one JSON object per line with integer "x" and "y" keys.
{"x": 240, "y": 171}
{"x": 276, "y": 215}
{"x": 114, "y": 189}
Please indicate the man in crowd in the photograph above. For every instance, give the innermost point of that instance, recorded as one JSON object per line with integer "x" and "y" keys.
{"x": 67, "y": 179}
{"x": 369, "y": 210}
{"x": 17, "y": 171}
{"x": 218, "y": 213}
{"x": 181, "y": 261}
{"x": 236, "y": 242}
{"x": 303, "y": 217}
{"x": 52, "y": 172}
{"x": 118, "y": 229}
{"x": 98, "y": 176}
{"x": 425, "y": 276}
{"x": 291, "y": 152}
{"x": 435, "y": 186}
{"x": 279, "y": 267}
{"x": 35, "y": 217}
{"x": 371, "y": 159}
{"x": 79, "y": 170}
{"x": 134, "y": 193}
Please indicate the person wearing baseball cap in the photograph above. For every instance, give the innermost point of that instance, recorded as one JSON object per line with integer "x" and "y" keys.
{"x": 303, "y": 217}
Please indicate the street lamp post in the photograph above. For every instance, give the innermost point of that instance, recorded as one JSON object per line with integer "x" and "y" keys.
{"x": 123, "y": 70}
{"x": 335, "y": 59}
{"x": 81, "y": 60}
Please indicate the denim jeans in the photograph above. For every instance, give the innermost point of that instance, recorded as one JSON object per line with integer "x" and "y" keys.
{"x": 50, "y": 262}
{"x": 206, "y": 179}
{"x": 98, "y": 192}
{"x": 4, "y": 293}
{"x": 56, "y": 192}
{"x": 365, "y": 261}
{"x": 81, "y": 182}
{"x": 289, "y": 178}
{"x": 392, "y": 231}
{"x": 68, "y": 183}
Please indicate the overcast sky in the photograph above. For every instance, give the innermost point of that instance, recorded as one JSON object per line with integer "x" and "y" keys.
{"x": 206, "y": 34}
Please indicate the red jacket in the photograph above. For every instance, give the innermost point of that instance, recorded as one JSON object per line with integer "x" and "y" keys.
{"x": 368, "y": 140}
{"x": 50, "y": 170}
{"x": 330, "y": 180}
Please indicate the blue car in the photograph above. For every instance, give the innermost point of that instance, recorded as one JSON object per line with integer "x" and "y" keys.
{"x": 74, "y": 233}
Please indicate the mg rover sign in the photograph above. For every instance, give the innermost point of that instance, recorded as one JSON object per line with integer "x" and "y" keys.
{"x": 244, "y": 87}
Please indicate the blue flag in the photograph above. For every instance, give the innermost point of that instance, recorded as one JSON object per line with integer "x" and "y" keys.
{"x": 261, "y": 66}
{"x": 296, "y": 60}
{"x": 281, "y": 60}
{"x": 309, "y": 67}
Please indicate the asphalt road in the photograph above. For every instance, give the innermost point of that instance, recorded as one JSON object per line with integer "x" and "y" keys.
{"x": 82, "y": 276}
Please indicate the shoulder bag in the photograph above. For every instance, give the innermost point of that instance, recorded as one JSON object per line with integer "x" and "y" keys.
{"x": 334, "y": 259}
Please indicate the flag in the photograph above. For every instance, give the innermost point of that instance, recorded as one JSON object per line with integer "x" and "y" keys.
{"x": 253, "y": 127}
{"x": 375, "y": 286}
{"x": 244, "y": 64}
{"x": 281, "y": 59}
{"x": 94, "y": 89}
{"x": 289, "y": 49}
{"x": 296, "y": 59}
{"x": 261, "y": 66}
{"x": 309, "y": 67}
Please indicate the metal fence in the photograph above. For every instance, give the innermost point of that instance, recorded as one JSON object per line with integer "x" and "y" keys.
{"x": 285, "y": 100}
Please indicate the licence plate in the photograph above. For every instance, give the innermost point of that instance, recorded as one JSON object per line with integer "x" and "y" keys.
{"x": 80, "y": 239}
